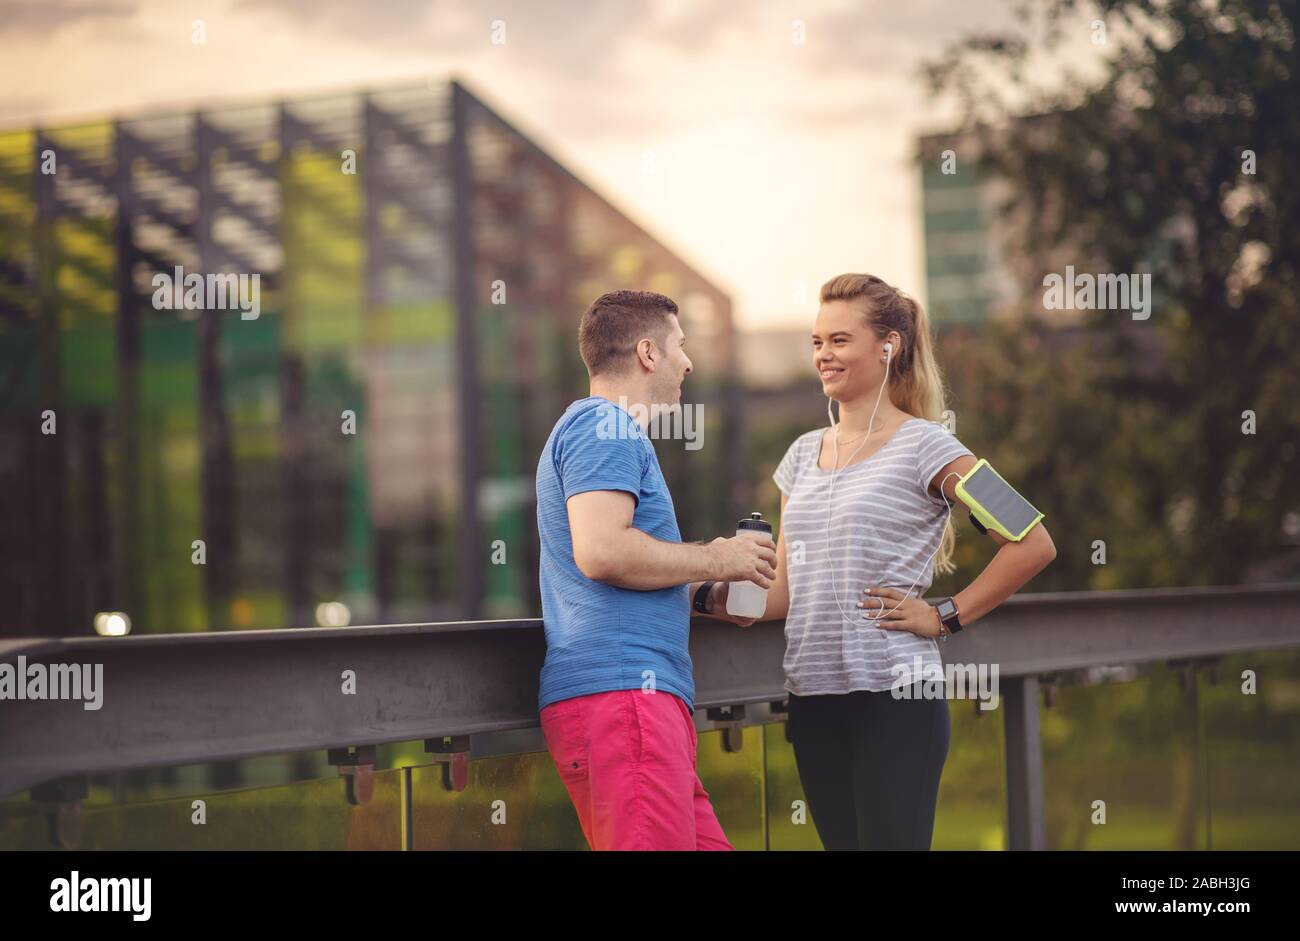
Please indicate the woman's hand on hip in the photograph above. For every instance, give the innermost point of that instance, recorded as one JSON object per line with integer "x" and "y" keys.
{"x": 912, "y": 614}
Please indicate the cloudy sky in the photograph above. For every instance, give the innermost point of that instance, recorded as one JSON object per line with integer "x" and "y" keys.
{"x": 768, "y": 163}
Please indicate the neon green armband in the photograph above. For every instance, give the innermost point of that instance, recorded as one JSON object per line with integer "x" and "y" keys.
{"x": 995, "y": 504}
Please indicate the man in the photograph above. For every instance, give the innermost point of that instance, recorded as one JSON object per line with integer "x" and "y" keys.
{"x": 617, "y": 693}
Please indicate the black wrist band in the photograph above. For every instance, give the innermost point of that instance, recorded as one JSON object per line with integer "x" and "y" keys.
{"x": 949, "y": 616}
{"x": 702, "y": 597}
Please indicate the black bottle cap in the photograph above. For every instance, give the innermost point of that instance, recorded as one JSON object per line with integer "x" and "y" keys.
{"x": 756, "y": 522}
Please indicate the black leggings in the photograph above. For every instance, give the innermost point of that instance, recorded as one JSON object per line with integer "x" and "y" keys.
{"x": 870, "y": 766}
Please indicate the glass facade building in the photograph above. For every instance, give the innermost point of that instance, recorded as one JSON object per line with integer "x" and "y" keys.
{"x": 368, "y": 435}
{"x": 962, "y": 267}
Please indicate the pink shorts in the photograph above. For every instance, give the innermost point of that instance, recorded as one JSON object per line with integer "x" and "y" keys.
{"x": 627, "y": 759}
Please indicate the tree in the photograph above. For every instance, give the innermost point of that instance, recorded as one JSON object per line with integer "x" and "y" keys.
{"x": 1181, "y": 161}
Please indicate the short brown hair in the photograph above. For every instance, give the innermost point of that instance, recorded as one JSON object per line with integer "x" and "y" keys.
{"x": 615, "y": 322}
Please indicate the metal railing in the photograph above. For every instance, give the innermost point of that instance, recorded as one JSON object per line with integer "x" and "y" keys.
{"x": 190, "y": 698}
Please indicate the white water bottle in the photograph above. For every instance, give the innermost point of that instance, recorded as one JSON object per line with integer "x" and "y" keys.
{"x": 745, "y": 599}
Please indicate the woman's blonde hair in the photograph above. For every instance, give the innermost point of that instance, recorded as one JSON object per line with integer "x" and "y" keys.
{"x": 915, "y": 382}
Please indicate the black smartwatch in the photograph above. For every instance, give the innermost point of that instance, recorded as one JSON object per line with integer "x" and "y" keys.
{"x": 702, "y": 597}
{"x": 948, "y": 614}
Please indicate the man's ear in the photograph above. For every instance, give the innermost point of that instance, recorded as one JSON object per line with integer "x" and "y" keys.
{"x": 647, "y": 353}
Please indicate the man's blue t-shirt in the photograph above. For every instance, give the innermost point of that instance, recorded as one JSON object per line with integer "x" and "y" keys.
{"x": 601, "y": 638}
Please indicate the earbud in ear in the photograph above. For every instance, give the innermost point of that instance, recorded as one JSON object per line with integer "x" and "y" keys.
{"x": 889, "y": 349}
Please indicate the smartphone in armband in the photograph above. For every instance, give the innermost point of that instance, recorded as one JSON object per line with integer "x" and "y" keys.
{"x": 994, "y": 503}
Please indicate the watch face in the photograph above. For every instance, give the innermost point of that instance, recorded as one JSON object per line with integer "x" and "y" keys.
{"x": 947, "y": 608}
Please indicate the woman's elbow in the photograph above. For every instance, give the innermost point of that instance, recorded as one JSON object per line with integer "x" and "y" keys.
{"x": 1047, "y": 548}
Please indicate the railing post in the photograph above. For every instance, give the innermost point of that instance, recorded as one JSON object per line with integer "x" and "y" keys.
{"x": 731, "y": 720}
{"x": 62, "y": 799}
{"x": 452, "y": 752}
{"x": 357, "y": 766}
{"x": 1026, "y": 829}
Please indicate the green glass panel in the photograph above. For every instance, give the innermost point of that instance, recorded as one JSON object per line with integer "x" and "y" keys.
{"x": 17, "y": 220}
{"x": 415, "y": 322}
{"x": 19, "y": 350}
{"x": 734, "y": 782}
{"x": 323, "y": 280}
{"x": 309, "y": 815}
{"x": 1133, "y": 746}
{"x": 89, "y": 368}
{"x": 961, "y": 220}
{"x": 1252, "y": 741}
{"x": 964, "y": 174}
{"x": 507, "y": 471}
{"x": 971, "y": 813}
{"x": 937, "y": 266}
{"x": 84, "y": 276}
{"x": 789, "y": 824}
{"x": 510, "y": 802}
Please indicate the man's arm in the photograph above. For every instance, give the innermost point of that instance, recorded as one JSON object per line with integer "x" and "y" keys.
{"x": 608, "y": 548}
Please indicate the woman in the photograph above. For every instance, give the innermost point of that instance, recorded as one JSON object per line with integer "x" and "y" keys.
{"x": 864, "y": 512}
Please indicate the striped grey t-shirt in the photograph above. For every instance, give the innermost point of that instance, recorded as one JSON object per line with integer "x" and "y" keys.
{"x": 883, "y": 527}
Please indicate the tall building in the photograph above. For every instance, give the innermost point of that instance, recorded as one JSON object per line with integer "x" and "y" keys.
{"x": 965, "y": 274}
{"x": 368, "y": 434}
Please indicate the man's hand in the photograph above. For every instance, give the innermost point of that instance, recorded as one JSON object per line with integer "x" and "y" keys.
{"x": 748, "y": 557}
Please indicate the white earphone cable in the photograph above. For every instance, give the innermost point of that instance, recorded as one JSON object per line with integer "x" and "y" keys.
{"x": 830, "y": 495}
